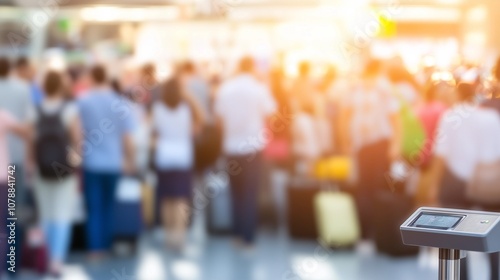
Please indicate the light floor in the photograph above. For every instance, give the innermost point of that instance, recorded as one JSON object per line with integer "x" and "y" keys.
{"x": 275, "y": 257}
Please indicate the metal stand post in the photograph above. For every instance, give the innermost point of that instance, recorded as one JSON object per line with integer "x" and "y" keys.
{"x": 449, "y": 263}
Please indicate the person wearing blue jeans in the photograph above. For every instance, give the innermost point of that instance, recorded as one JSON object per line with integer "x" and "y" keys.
{"x": 99, "y": 190}
{"x": 107, "y": 152}
{"x": 56, "y": 194}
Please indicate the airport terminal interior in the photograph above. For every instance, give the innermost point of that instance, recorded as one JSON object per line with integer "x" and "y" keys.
{"x": 249, "y": 139}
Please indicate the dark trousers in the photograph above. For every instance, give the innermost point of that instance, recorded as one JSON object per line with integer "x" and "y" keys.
{"x": 453, "y": 195}
{"x": 373, "y": 169}
{"x": 99, "y": 191}
{"x": 244, "y": 176}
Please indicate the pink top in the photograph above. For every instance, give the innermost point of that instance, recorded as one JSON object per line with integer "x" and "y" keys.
{"x": 430, "y": 114}
{"x": 6, "y": 123}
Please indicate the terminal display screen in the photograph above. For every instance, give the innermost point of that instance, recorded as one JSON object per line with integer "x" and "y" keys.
{"x": 437, "y": 221}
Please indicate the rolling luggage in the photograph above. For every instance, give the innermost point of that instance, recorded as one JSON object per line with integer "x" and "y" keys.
{"x": 337, "y": 219}
{"x": 35, "y": 255}
{"x": 128, "y": 221}
{"x": 78, "y": 229}
{"x": 78, "y": 238}
{"x": 391, "y": 210}
{"x": 267, "y": 204}
{"x": 36, "y": 259}
{"x": 219, "y": 210}
{"x": 300, "y": 209}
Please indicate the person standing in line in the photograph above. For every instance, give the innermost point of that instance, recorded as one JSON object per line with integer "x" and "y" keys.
{"x": 405, "y": 84}
{"x": 107, "y": 152}
{"x": 371, "y": 130}
{"x": 303, "y": 88}
{"x": 429, "y": 113}
{"x": 242, "y": 106}
{"x": 494, "y": 101}
{"x": 197, "y": 86}
{"x": 15, "y": 99}
{"x": 463, "y": 142}
{"x": 8, "y": 124}
{"x": 57, "y": 132}
{"x": 26, "y": 72}
{"x": 177, "y": 117}
{"x": 306, "y": 93}
{"x": 142, "y": 131}
{"x": 148, "y": 90}
{"x": 306, "y": 140}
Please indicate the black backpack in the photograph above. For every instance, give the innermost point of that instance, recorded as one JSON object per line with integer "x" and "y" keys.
{"x": 51, "y": 144}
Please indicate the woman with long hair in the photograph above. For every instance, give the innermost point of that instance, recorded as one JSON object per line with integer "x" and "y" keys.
{"x": 177, "y": 117}
{"x": 57, "y": 121}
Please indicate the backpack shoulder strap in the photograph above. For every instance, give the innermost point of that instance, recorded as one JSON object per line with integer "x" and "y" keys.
{"x": 40, "y": 112}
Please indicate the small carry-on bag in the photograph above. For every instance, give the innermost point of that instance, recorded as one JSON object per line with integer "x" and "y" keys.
{"x": 336, "y": 213}
{"x": 35, "y": 252}
{"x": 300, "y": 209}
{"x": 337, "y": 219}
{"x": 391, "y": 210}
{"x": 128, "y": 221}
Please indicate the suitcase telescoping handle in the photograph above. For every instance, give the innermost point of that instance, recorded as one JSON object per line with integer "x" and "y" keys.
{"x": 329, "y": 186}
{"x": 301, "y": 180}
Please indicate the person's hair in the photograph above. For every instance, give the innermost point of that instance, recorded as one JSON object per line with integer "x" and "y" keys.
{"x": 304, "y": 68}
{"x": 148, "y": 69}
{"x": 187, "y": 67}
{"x": 116, "y": 86}
{"x": 4, "y": 67}
{"x": 496, "y": 70}
{"x": 433, "y": 90}
{"x": 98, "y": 74}
{"x": 307, "y": 107}
{"x": 246, "y": 64}
{"x": 397, "y": 74}
{"x": 372, "y": 68}
{"x": 172, "y": 92}
{"x": 22, "y": 62}
{"x": 52, "y": 84}
{"x": 465, "y": 91}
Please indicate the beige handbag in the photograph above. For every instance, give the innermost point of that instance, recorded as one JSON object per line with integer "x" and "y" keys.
{"x": 484, "y": 187}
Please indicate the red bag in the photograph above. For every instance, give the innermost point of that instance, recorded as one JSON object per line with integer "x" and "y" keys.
{"x": 35, "y": 252}
{"x": 277, "y": 150}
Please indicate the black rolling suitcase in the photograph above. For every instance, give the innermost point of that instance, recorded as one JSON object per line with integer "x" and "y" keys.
{"x": 391, "y": 210}
{"x": 301, "y": 215}
{"x": 78, "y": 238}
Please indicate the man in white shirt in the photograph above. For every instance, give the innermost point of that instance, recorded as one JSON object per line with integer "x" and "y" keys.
{"x": 242, "y": 106}
{"x": 467, "y": 136}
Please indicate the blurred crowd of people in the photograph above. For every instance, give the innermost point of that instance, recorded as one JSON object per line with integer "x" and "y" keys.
{"x": 78, "y": 132}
